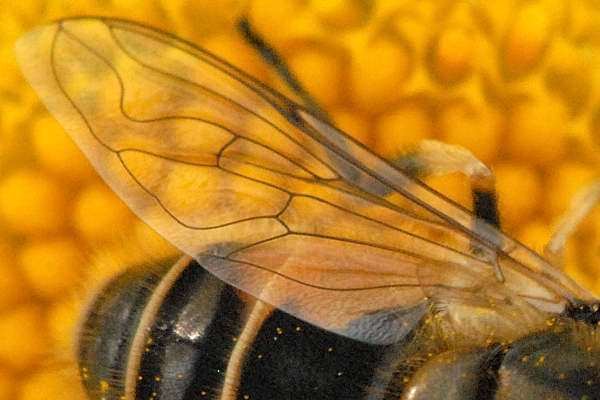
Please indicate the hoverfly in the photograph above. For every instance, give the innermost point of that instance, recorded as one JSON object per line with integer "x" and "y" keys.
{"x": 382, "y": 287}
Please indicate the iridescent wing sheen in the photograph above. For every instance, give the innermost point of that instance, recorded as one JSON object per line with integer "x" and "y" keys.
{"x": 265, "y": 195}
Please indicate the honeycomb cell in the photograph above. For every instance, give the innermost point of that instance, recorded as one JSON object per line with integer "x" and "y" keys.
{"x": 400, "y": 129}
{"x": 537, "y": 132}
{"x": 535, "y": 234}
{"x": 413, "y": 30}
{"x": 454, "y": 186}
{"x": 568, "y": 74}
{"x": 56, "y": 151}
{"x": 564, "y": 181}
{"x": 520, "y": 192}
{"x": 62, "y": 319}
{"x": 53, "y": 384}
{"x": 594, "y": 128}
{"x": 321, "y": 73}
{"x": 583, "y": 17}
{"x": 99, "y": 215}
{"x": 452, "y": 56}
{"x": 236, "y": 52}
{"x": 266, "y": 16}
{"x": 378, "y": 71}
{"x": 342, "y": 14}
{"x": 151, "y": 13}
{"x": 353, "y": 123}
{"x": 527, "y": 39}
{"x": 61, "y": 9}
{"x": 52, "y": 266}
{"x": 33, "y": 203}
{"x": 13, "y": 288}
{"x": 10, "y": 80}
{"x": 152, "y": 242}
{"x": 14, "y": 116}
{"x": 7, "y": 384}
{"x": 581, "y": 262}
{"x": 11, "y": 26}
{"x": 196, "y": 21}
{"x": 477, "y": 129}
{"x": 24, "y": 341}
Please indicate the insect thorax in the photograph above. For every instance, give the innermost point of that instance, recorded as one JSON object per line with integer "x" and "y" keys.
{"x": 585, "y": 312}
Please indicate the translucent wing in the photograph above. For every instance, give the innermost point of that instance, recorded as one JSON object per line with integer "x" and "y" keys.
{"x": 265, "y": 195}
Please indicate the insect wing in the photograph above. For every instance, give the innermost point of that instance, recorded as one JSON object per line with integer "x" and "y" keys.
{"x": 263, "y": 194}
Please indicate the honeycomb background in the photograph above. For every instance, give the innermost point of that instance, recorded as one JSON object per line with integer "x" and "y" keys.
{"x": 516, "y": 82}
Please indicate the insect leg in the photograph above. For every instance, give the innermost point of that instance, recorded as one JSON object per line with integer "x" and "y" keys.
{"x": 581, "y": 206}
{"x": 431, "y": 157}
{"x": 272, "y": 57}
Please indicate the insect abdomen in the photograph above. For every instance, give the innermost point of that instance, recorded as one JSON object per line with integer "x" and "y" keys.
{"x": 107, "y": 333}
{"x": 174, "y": 332}
{"x": 291, "y": 359}
{"x": 174, "y": 340}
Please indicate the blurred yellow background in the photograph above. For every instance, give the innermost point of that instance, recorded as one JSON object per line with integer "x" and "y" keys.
{"x": 516, "y": 82}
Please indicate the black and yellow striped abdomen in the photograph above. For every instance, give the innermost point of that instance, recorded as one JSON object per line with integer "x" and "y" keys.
{"x": 176, "y": 332}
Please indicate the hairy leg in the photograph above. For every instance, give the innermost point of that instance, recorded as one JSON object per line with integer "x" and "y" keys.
{"x": 431, "y": 157}
{"x": 581, "y": 206}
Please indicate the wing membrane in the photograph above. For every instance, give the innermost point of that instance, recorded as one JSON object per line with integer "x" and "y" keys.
{"x": 264, "y": 194}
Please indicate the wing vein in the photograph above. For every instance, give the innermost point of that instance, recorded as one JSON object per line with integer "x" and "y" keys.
{"x": 216, "y": 94}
